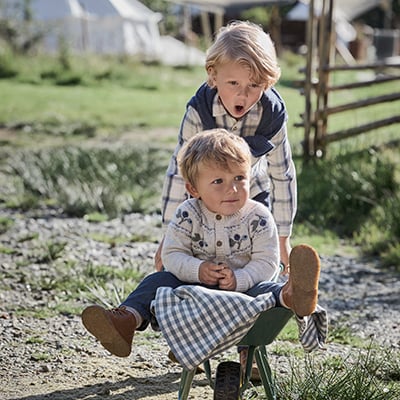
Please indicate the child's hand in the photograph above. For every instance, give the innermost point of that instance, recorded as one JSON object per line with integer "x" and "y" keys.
{"x": 210, "y": 273}
{"x": 228, "y": 282}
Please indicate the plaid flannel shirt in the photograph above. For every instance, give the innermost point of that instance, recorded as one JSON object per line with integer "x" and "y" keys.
{"x": 273, "y": 173}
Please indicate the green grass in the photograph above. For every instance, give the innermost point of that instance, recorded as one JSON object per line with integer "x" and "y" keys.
{"x": 5, "y": 224}
{"x": 71, "y": 283}
{"x": 362, "y": 375}
{"x": 111, "y": 94}
{"x": 110, "y": 107}
{"x": 83, "y": 181}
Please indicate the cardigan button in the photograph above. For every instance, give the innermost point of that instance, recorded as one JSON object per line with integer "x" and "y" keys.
{"x": 219, "y": 243}
{"x": 218, "y": 217}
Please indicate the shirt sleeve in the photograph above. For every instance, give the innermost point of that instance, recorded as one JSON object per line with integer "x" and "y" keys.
{"x": 177, "y": 253}
{"x": 174, "y": 192}
{"x": 282, "y": 175}
{"x": 264, "y": 255}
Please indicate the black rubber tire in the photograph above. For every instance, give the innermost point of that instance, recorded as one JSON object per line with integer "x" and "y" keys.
{"x": 228, "y": 381}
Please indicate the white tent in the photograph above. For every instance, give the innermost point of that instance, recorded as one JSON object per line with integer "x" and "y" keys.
{"x": 98, "y": 26}
{"x": 122, "y": 26}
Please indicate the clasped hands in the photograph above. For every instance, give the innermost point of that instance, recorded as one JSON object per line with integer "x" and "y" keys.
{"x": 217, "y": 275}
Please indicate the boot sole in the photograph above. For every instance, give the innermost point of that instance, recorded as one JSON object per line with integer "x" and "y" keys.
{"x": 96, "y": 321}
{"x": 305, "y": 267}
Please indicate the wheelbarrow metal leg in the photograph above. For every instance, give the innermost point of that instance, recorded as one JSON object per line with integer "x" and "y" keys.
{"x": 207, "y": 371}
{"x": 265, "y": 372}
{"x": 185, "y": 383}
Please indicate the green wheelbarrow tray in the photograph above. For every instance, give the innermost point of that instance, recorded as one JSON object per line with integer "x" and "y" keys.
{"x": 230, "y": 382}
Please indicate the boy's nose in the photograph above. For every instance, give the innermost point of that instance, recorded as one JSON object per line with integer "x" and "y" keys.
{"x": 243, "y": 91}
{"x": 233, "y": 187}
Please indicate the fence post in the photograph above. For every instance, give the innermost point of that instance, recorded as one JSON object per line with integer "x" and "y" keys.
{"x": 325, "y": 39}
{"x": 308, "y": 150}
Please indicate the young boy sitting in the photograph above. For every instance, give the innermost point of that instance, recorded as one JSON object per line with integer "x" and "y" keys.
{"x": 218, "y": 239}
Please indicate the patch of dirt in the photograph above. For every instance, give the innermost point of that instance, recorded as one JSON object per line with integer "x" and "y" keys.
{"x": 55, "y": 358}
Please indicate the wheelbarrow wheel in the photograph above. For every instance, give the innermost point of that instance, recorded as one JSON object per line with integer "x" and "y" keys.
{"x": 227, "y": 381}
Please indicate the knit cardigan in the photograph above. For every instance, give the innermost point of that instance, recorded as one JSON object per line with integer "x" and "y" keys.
{"x": 246, "y": 241}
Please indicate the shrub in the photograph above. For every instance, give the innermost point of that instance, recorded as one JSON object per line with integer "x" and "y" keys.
{"x": 341, "y": 193}
{"x": 380, "y": 234}
{"x": 82, "y": 181}
{"x": 8, "y": 68}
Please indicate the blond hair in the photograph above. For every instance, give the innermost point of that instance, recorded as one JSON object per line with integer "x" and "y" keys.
{"x": 247, "y": 44}
{"x": 217, "y": 146}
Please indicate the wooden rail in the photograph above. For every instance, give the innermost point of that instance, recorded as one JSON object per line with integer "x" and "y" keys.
{"x": 317, "y": 88}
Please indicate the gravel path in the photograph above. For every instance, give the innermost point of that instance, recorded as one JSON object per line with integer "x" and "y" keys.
{"x": 53, "y": 358}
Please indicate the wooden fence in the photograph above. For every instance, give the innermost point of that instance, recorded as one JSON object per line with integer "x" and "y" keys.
{"x": 321, "y": 45}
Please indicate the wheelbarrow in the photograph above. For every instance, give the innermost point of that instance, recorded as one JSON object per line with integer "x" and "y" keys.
{"x": 230, "y": 381}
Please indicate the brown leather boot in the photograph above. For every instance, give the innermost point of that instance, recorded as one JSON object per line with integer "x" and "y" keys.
{"x": 113, "y": 328}
{"x": 300, "y": 293}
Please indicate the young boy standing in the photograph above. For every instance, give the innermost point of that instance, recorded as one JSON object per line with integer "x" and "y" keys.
{"x": 239, "y": 96}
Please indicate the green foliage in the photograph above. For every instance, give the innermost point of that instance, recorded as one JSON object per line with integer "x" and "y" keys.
{"x": 325, "y": 240}
{"x": 40, "y": 356}
{"x": 258, "y": 15}
{"x": 8, "y": 69}
{"x": 71, "y": 283}
{"x": 339, "y": 332}
{"x": 7, "y": 250}
{"x": 368, "y": 375}
{"x": 5, "y": 224}
{"x": 290, "y": 331}
{"x": 57, "y": 126}
{"x": 34, "y": 340}
{"x": 340, "y": 193}
{"x": 105, "y": 273}
{"x": 356, "y": 196}
{"x": 96, "y": 217}
{"x": 21, "y": 32}
{"x": 82, "y": 181}
{"x": 109, "y": 285}
{"x": 380, "y": 234}
{"x": 96, "y": 69}
{"x": 50, "y": 252}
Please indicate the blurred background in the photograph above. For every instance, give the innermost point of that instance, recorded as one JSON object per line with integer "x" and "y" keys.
{"x": 151, "y": 29}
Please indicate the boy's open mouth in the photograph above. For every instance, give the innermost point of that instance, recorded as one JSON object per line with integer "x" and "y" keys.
{"x": 239, "y": 109}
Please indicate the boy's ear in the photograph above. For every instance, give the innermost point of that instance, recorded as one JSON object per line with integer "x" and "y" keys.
{"x": 212, "y": 74}
{"x": 192, "y": 190}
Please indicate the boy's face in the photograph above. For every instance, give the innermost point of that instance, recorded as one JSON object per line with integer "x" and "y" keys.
{"x": 236, "y": 90}
{"x": 222, "y": 191}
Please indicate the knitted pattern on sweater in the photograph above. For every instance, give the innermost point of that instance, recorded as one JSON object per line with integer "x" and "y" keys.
{"x": 246, "y": 241}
